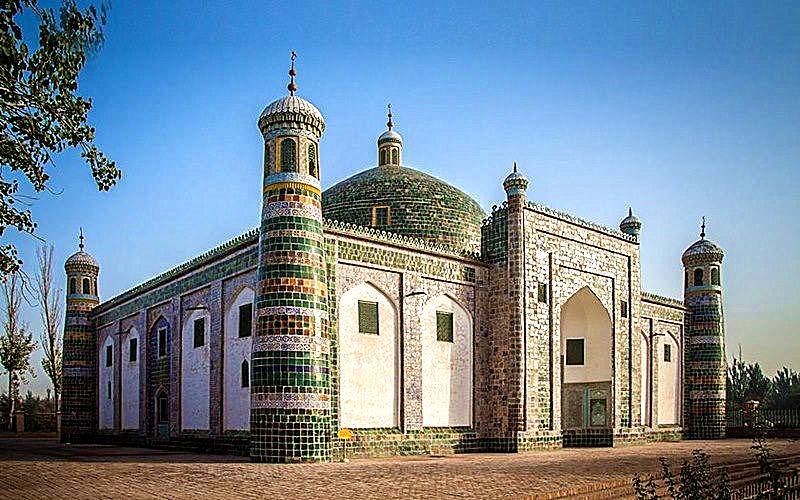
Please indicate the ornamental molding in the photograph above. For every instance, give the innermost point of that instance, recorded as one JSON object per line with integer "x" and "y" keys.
{"x": 408, "y": 242}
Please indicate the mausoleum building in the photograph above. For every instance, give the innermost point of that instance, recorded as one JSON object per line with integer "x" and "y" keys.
{"x": 392, "y": 305}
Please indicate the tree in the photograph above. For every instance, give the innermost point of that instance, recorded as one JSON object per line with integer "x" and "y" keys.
{"x": 786, "y": 384}
{"x": 747, "y": 382}
{"x": 41, "y": 114}
{"x": 50, "y": 310}
{"x": 16, "y": 344}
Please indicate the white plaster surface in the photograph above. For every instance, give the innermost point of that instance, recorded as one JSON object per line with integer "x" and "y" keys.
{"x": 106, "y": 377}
{"x": 583, "y": 316}
{"x": 368, "y": 364}
{"x": 446, "y": 367}
{"x": 668, "y": 382}
{"x": 236, "y": 399}
{"x": 195, "y": 370}
{"x": 130, "y": 382}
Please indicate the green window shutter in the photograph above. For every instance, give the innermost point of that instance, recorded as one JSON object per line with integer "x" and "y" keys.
{"x": 575, "y": 352}
{"x": 444, "y": 326}
{"x": 368, "y": 317}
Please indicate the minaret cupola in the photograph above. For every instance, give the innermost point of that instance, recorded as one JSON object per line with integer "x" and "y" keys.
{"x": 82, "y": 270}
{"x": 390, "y": 145}
{"x": 631, "y": 224}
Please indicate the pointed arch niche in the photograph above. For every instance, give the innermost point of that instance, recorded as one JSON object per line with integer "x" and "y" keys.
{"x": 369, "y": 363}
{"x": 446, "y": 364}
{"x": 587, "y": 359}
{"x": 238, "y": 343}
{"x": 130, "y": 379}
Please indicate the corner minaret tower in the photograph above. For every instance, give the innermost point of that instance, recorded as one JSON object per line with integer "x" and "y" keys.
{"x": 705, "y": 340}
{"x": 515, "y": 186}
{"x": 390, "y": 145}
{"x": 79, "y": 379}
{"x": 290, "y": 405}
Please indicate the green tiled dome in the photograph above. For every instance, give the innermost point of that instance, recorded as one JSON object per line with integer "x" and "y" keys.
{"x": 420, "y": 205}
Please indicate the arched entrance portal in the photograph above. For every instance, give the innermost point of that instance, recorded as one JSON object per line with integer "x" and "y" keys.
{"x": 587, "y": 367}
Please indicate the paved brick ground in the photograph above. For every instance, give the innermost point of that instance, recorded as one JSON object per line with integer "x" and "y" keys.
{"x": 36, "y": 468}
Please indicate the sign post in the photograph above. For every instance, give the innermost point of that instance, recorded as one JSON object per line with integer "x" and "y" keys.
{"x": 346, "y": 435}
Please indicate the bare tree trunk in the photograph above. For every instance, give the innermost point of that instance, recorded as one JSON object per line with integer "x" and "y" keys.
{"x": 50, "y": 302}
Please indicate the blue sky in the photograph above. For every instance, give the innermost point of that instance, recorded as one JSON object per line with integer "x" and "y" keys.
{"x": 680, "y": 109}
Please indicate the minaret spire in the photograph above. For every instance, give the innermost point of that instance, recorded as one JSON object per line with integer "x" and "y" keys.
{"x": 703, "y": 229}
{"x": 390, "y": 124}
{"x": 80, "y": 237}
{"x": 292, "y": 86}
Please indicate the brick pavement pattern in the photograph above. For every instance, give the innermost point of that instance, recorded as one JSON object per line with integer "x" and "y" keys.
{"x": 35, "y": 468}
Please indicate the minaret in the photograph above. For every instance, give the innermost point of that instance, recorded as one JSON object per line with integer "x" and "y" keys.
{"x": 515, "y": 186}
{"x": 390, "y": 145}
{"x": 631, "y": 224}
{"x": 290, "y": 391}
{"x": 704, "y": 391}
{"x": 79, "y": 379}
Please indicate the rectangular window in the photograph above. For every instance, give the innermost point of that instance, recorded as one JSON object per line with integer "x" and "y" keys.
{"x": 667, "y": 353}
{"x": 444, "y": 326}
{"x": 109, "y": 353}
{"x": 543, "y": 292}
{"x": 574, "y": 352}
{"x": 162, "y": 341}
{"x": 245, "y": 320}
{"x": 199, "y": 332}
{"x": 368, "y": 317}
{"x": 132, "y": 350}
{"x": 624, "y": 309}
{"x": 108, "y": 389}
{"x": 380, "y": 216}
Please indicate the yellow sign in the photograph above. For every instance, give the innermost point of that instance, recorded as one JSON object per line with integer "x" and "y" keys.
{"x": 345, "y": 434}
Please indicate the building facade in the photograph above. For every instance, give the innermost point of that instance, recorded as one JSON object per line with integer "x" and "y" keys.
{"x": 392, "y": 305}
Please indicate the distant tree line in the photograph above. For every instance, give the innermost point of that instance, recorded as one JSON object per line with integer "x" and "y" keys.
{"x": 747, "y": 382}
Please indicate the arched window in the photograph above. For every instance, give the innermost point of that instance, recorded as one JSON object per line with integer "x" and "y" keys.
{"x": 686, "y": 279}
{"x": 73, "y": 285}
{"x": 245, "y": 374}
{"x": 94, "y": 286}
{"x": 698, "y": 277}
{"x": 288, "y": 155}
{"x": 715, "y": 276}
{"x": 313, "y": 170}
{"x": 86, "y": 286}
{"x": 383, "y": 157}
{"x": 395, "y": 157}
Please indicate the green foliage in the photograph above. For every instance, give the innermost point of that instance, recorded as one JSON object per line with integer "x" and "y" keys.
{"x": 786, "y": 389}
{"x": 16, "y": 342}
{"x": 747, "y": 382}
{"x": 696, "y": 480}
{"x": 41, "y": 113}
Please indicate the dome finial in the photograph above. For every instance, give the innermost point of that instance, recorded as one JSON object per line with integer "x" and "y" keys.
{"x": 515, "y": 167}
{"x": 292, "y": 87}
{"x": 80, "y": 237}
{"x": 390, "y": 124}
{"x": 630, "y": 211}
{"x": 703, "y": 229}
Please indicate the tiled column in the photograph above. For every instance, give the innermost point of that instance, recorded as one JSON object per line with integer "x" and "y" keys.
{"x": 79, "y": 379}
{"x": 290, "y": 404}
{"x": 515, "y": 186}
{"x": 705, "y": 368}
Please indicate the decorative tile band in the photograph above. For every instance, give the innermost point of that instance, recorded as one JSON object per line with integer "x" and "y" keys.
{"x": 294, "y": 233}
{"x": 293, "y": 343}
{"x": 705, "y": 339}
{"x": 292, "y": 209}
{"x": 293, "y": 311}
{"x": 291, "y": 401}
{"x": 292, "y": 177}
{"x": 707, "y": 394}
{"x": 78, "y": 371}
